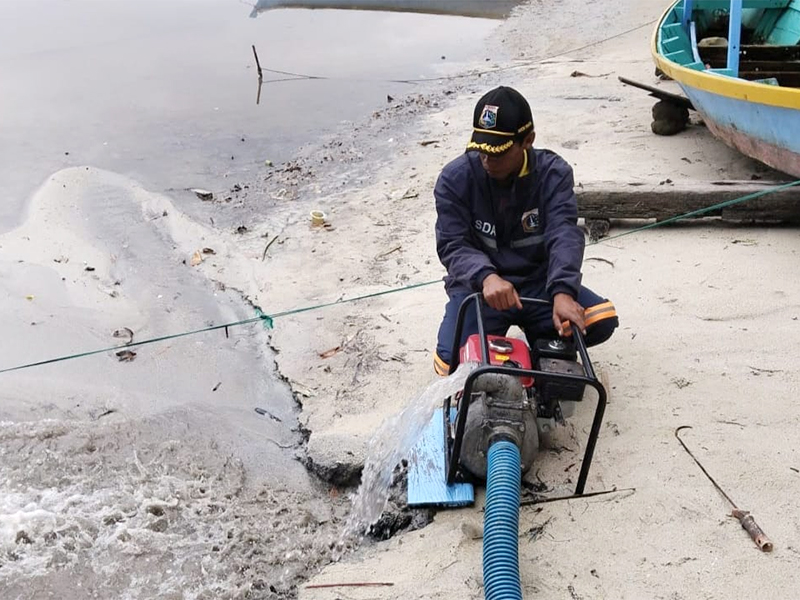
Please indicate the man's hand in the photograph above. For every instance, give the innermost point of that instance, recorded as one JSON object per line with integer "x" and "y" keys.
{"x": 565, "y": 308}
{"x": 499, "y": 293}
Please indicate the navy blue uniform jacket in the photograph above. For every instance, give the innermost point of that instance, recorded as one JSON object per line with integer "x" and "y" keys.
{"x": 526, "y": 233}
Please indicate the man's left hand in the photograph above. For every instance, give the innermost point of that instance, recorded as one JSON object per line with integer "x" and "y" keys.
{"x": 565, "y": 308}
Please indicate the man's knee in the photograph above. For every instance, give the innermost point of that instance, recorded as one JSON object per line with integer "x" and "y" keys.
{"x": 601, "y": 320}
{"x": 441, "y": 364}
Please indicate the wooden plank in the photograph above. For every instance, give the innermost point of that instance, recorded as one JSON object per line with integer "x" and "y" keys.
{"x": 726, "y": 4}
{"x": 786, "y": 66}
{"x": 613, "y": 200}
{"x": 675, "y": 99}
{"x": 752, "y": 52}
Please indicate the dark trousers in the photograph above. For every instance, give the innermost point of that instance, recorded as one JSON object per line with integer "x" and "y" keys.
{"x": 535, "y": 320}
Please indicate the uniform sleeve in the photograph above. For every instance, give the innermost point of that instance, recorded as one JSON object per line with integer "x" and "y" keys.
{"x": 564, "y": 239}
{"x": 464, "y": 262}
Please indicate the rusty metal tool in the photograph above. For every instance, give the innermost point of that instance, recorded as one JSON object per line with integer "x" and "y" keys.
{"x": 744, "y": 517}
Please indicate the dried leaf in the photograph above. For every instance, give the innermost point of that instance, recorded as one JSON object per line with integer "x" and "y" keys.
{"x": 197, "y": 258}
{"x": 124, "y": 333}
{"x": 126, "y": 355}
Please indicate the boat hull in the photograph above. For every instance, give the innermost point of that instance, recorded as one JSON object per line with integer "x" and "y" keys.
{"x": 767, "y": 133}
{"x": 495, "y": 9}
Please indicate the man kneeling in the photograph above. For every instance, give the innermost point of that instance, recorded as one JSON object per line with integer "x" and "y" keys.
{"x": 507, "y": 226}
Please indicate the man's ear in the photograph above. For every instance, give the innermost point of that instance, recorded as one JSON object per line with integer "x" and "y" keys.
{"x": 528, "y": 141}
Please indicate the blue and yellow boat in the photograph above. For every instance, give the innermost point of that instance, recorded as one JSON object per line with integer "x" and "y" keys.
{"x": 738, "y": 61}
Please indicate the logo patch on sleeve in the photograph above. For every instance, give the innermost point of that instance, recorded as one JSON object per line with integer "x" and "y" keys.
{"x": 530, "y": 221}
{"x": 488, "y": 118}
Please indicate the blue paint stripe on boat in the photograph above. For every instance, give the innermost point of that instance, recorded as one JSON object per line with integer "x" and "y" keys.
{"x": 772, "y": 124}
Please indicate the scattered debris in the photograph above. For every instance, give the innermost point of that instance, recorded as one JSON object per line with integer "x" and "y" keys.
{"x": 61, "y": 259}
{"x": 203, "y": 194}
{"x": 573, "y": 593}
{"x": 361, "y": 584}
{"x": 681, "y": 383}
{"x": 599, "y": 259}
{"x": 22, "y": 538}
{"x": 216, "y": 387}
{"x": 125, "y": 332}
{"x": 388, "y": 252}
{"x": 534, "y": 532}
{"x": 241, "y": 229}
{"x": 29, "y": 297}
{"x": 111, "y": 292}
{"x": 88, "y": 268}
{"x": 732, "y": 423}
{"x": 330, "y": 352}
{"x": 428, "y": 142}
{"x": 582, "y": 74}
{"x": 264, "y": 254}
{"x": 208, "y": 251}
{"x": 105, "y": 413}
{"x": 268, "y": 163}
{"x": 409, "y": 195}
{"x": 756, "y": 371}
{"x": 197, "y": 258}
{"x": 265, "y": 413}
{"x": 126, "y": 355}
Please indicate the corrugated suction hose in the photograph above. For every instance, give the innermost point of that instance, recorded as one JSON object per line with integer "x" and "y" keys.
{"x": 501, "y": 523}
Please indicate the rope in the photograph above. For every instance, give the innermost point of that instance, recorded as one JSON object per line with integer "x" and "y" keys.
{"x": 268, "y": 319}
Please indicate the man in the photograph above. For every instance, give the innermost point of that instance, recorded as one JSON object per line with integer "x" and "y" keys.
{"x": 507, "y": 227}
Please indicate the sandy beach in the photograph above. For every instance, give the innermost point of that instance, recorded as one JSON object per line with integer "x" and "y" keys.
{"x": 157, "y": 478}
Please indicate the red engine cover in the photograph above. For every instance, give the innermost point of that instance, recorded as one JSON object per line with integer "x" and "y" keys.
{"x": 501, "y": 351}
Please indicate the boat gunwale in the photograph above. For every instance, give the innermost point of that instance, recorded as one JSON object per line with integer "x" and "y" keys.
{"x": 722, "y": 85}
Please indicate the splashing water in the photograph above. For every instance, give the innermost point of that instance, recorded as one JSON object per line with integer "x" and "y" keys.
{"x": 391, "y": 444}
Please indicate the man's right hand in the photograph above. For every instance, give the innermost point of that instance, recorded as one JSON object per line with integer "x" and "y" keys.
{"x": 499, "y": 293}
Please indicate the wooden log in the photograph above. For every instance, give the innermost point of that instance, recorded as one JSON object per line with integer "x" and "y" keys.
{"x": 613, "y": 200}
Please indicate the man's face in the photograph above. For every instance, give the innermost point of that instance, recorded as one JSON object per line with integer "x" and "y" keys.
{"x": 509, "y": 163}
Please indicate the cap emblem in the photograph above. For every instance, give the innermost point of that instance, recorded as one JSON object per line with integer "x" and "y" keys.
{"x": 488, "y": 118}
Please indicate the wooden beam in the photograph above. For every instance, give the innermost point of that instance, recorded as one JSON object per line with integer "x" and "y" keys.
{"x": 613, "y": 200}
{"x": 752, "y": 52}
{"x": 725, "y": 4}
{"x": 675, "y": 99}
